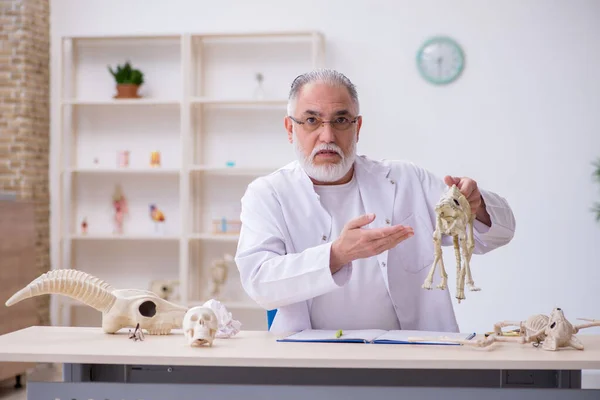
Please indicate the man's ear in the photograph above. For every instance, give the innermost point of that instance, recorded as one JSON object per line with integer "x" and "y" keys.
{"x": 358, "y": 125}
{"x": 289, "y": 127}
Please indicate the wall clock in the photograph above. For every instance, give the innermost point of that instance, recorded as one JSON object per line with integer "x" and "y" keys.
{"x": 440, "y": 60}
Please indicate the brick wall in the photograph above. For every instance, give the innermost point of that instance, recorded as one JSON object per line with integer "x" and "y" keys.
{"x": 24, "y": 116}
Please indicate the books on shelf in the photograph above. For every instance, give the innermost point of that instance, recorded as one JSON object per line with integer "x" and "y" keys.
{"x": 377, "y": 336}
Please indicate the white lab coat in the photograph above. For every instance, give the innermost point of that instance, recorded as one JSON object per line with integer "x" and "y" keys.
{"x": 284, "y": 247}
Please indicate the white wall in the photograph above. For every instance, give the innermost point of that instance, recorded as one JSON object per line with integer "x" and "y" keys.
{"x": 523, "y": 120}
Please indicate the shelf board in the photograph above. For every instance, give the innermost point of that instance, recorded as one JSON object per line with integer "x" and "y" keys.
{"x": 239, "y": 171}
{"x": 122, "y": 102}
{"x": 124, "y": 170}
{"x": 111, "y": 236}
{"x": 212, "y": 237}
{"x": 247, "y": 103}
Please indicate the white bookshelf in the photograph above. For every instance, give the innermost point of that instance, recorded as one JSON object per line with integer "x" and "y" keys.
{"x": 199, "y": 109}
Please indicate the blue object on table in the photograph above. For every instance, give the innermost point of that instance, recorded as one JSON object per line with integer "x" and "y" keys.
{"x": 270, "y": 317}
{"x": 230, "y": 163}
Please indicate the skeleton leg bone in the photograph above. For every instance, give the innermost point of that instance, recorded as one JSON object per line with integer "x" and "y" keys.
{"x": 470, "y": 248}
{"x": 486, "y": 342}
{"x": 590, "y": 324}
{"x": 459, "y": 243}
{"x": 437, "y": 244}
{"x": 575, "y": 343}
{"x": 503, "y": 324}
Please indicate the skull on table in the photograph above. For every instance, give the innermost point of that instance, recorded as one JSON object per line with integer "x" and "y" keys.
{"x": 200, "y": 326}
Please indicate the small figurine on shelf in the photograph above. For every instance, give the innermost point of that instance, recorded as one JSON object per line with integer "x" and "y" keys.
{"x": 121, "y": 209}
{"x": 158, "y": 217}
{"x": 259, "y": 92}
{"x": 123, "y": 158}
{"x": 218, "y": 273}
{"x": 155, "y": 159}
{"x": 84, "y": 226}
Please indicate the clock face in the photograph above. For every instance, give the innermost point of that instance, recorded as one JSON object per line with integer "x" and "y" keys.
{"x": 440, "y": 60}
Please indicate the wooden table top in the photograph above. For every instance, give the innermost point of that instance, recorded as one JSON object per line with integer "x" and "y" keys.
{"x": 260, "y": 349}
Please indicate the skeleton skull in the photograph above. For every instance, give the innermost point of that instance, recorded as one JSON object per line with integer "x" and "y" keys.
{"x": 200, "y": 326}
{"x": 124, "y": 308}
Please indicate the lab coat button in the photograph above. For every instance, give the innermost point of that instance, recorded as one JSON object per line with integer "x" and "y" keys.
{"x": 392, "y": 181}
{"x": 383, "y": 264}
{"x": 324, "y": 238}
{"x": 387, "y": 221}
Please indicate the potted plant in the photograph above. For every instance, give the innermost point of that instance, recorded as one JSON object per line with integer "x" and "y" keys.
{"x": 128, "y": 81}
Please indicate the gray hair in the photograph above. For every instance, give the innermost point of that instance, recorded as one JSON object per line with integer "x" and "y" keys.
{"x": 328, "y": 76}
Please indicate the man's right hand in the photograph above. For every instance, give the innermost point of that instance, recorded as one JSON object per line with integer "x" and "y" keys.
{"x": 355, "y": 242}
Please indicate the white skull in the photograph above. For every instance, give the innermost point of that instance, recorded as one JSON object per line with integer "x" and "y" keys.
{"x": 200, "y": 326}
{"x": 124, "y": 308}
{"x": 132, "y": 306}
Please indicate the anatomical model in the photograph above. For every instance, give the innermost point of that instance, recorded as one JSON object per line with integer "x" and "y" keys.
{"x": 121, "y": 209}
{"x": 200, "y": 326}
{"x": 158, "y": 217}
{"x": 218, "y": 273}
{"x": 552, "y": 332}
{"x": 124, "y": 308}
{"x": 454, "y": 218}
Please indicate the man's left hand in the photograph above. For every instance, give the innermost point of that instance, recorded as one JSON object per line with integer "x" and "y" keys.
{"x": 468, "y": 187}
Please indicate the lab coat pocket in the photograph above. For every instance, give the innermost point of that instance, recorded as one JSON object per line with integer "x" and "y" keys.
{"x": 415, "y": 253}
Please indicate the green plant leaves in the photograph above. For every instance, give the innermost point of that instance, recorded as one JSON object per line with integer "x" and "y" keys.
{"x": 125, "y": 74}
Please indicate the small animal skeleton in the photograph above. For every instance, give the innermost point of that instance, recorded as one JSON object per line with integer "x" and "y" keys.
{"x": 454, "y": 218}
{"x": 551, "y": 332}
{"x": 120, "y": 308}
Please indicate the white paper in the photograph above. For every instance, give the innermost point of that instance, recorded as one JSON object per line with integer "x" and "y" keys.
{"x": 367, "y": 335}
{"x": 228, "y": 327}
{"x": 423, "y": 336}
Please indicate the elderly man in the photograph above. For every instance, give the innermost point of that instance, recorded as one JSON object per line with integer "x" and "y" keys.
{"x": 340, "y": 241}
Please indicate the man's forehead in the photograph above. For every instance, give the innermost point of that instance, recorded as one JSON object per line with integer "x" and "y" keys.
{"x": 320, "y": 113}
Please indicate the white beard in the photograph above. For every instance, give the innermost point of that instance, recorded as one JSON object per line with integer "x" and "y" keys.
{"x": 326, "y": 172}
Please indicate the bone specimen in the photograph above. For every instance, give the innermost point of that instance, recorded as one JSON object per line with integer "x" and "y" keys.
{"x": 200, "y": 326}
{"x": 218, "y": 273}
{"x": 454, "y": 218}
{"x": 552, "y": 331}
{"x": 121, "y": 308}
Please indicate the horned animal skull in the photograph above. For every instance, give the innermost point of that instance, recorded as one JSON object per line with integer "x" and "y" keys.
{"x": 121, "y": 308}
{"x": 200, "y": 326}
{"x": 552, "y": 332}
{"x": 454, "y": 218}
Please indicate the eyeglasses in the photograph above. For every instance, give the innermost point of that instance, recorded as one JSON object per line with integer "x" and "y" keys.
{"x": 313, "y": 123}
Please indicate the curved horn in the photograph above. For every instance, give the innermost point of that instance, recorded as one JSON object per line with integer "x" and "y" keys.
{"x": 78, "y": 285}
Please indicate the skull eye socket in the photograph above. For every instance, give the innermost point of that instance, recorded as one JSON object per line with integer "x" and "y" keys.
{"x": 194, "y": 318}
{"x": 147, "y": 309}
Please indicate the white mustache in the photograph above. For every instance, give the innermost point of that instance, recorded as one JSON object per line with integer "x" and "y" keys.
{"x": 327, "y": 147}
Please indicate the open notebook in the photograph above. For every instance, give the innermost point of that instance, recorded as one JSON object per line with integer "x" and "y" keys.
{"x": 376, "y": 336}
